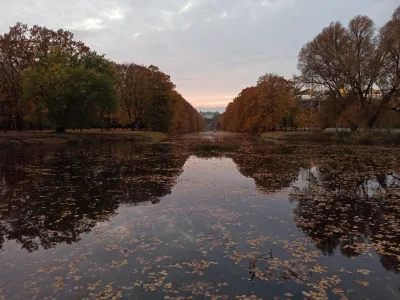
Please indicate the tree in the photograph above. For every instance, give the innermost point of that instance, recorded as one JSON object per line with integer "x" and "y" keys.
{"x": 69, "y": 91}
{"x": 160, "y": 112}
{"x": 185, "y": 118}
{"x": 350, "y": 62}
{"x": 147, "y": 97}
{"x": 133, "y": 92}
{"x": 270, "y": 104}
{"x": 276, "y": 101}
{"x": 20, "y": 48}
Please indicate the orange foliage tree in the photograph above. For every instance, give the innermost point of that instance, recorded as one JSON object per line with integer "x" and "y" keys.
{"x": 269, "y": 105}
{"x": 147, "y": 97}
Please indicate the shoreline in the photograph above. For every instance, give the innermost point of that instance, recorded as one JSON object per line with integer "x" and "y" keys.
{"x": 24, "y": 139}
{"x": 13, "y": 139}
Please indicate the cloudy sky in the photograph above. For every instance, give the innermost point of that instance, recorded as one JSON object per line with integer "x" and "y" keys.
{"x": 211, "y": 48}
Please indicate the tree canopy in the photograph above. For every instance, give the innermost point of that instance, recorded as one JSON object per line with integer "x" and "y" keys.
{"x": 67, "y": 91}
{"x": 351, "y": 63}
{"x": 269, "y": 105}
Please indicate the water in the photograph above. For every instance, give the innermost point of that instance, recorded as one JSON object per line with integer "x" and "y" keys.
{"x": 162, "y": 222}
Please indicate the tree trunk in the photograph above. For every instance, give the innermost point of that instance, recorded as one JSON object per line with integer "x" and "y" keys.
{"x": 19, "y": 123}
{"x": 382, "y": 105}
{"x": 353, "y": 128}
{"x": 60, "y": 129}
{"x": 373, "y": 120}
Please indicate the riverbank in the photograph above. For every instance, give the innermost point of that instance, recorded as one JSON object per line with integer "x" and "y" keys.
{"x": 92, "y": 136}
{"x": 298, "y": 136}
{"x": 363, "y": 137}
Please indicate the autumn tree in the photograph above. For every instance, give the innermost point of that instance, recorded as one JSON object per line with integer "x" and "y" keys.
{"x": 133, "y": 92}
{"x": 147, "y": 97}
{"x": 350, "y": 62}
{"x": 185, "y": 118}
{"x": 160, "y": 111}
{"x": 276, "y": 100}
{"x": 20, "y": 48}
{"x": 69, "y": 91}
{"x": 268, "y": 105}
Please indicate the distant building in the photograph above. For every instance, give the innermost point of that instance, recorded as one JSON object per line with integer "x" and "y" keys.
{"x": 209, "y": 114}
{"x": 210, "y": 119}
{"x": 309, "y": 98}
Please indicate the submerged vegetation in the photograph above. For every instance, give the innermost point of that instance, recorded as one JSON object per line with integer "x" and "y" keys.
{"x": 214, "y": 146}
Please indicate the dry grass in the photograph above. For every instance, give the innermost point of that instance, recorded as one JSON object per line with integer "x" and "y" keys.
{"x": 296, "y": 136}
{"x": 368, "y": 137}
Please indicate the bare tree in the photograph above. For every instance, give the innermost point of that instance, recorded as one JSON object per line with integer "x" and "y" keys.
{"x": 350, "y": 62}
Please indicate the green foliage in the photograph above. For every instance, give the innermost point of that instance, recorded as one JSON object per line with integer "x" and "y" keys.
{"x": 70, "y": 91}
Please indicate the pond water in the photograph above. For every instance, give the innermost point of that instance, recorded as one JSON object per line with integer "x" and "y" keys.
{"x": 163, "y": 222}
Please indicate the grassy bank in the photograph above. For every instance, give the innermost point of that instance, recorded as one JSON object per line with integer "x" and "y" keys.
{"x": 86, "y": 137}
{"x": 297, "y": 136}
{"x": 368, "y": 137}
{"x": 363, "y": 137}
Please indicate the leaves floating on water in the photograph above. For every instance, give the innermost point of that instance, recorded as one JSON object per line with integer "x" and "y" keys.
{"x": 117, "y": 264}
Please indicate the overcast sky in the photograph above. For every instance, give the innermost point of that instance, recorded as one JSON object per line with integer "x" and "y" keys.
{"x": 211, "y": 48}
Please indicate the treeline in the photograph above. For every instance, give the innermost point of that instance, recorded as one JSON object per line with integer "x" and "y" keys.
{"x": 50, "y": 80}
{"x": 350, "y": 77}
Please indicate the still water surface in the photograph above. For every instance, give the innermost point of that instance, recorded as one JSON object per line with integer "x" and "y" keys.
{"x": 162, "y": 222}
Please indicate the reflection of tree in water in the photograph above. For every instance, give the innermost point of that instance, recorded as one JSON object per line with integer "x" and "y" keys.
{"x": 272, "y": 167}
{"x": 53, "y": 197}
{"x": 349, "y": 202}
{"x": 347, "y": 198}
{"x": 148, "y": 176}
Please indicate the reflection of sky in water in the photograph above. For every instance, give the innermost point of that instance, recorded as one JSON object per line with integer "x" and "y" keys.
{"x": 369, "y": 186}
{"x": 304, "y": 177}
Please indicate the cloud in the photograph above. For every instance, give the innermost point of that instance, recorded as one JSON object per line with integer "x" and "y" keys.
{"x": 211, "y": 48}
{"x": 186, "y": 7}
{"x": 88, "y": 24}
{"x": 115, "y": 14}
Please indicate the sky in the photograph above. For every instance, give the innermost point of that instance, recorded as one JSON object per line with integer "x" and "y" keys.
{"x": 212, "y": 49}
